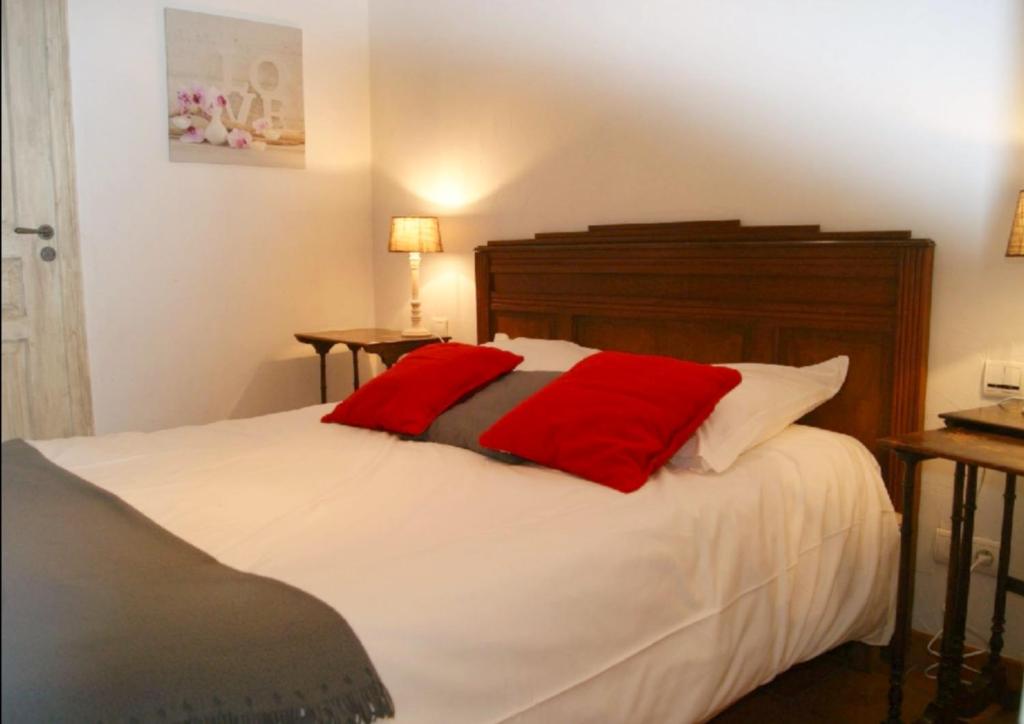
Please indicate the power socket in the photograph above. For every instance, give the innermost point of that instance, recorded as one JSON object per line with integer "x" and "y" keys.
{"x": 940, "y": 551}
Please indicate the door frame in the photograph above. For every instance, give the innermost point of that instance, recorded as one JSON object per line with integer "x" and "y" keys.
{"x": 66, "y": 219}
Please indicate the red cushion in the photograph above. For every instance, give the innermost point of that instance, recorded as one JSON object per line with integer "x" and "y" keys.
{"x": 614, "y": 418}
{"x": 422, "y": 385}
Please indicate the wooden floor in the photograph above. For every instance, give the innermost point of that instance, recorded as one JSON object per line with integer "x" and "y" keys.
{"x": 830, "y": 689}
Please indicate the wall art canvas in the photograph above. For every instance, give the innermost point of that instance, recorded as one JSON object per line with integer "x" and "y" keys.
{"x": 234, "y": 91}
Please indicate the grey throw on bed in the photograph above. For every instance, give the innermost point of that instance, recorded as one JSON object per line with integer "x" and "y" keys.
{"x": 109, "y": 617}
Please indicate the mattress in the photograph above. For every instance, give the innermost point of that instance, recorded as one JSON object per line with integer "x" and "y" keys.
{"x": 487, "y": 592}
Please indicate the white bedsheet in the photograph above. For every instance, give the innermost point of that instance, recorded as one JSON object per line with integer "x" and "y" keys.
{"x": 486, "y": 592}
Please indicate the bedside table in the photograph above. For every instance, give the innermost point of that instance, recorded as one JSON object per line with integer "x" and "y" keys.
{"x": 990, "y": 438}
{"x": 389, "y": 344}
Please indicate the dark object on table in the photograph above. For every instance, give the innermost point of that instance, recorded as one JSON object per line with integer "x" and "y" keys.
{"x": 1004, "y": 419}
{"x": 109, "y": 617}
{"x": 388, "y": 343}
{"x": 969, "y": 448}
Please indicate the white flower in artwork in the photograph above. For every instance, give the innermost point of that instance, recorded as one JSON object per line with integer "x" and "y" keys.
{"x": 240, "y": 139}
{"x": 214, "y": 100}
{"x": 193, "y": 135}
{"x": 181, "y": 122}
{"x": 264, "y": 127}
{"x": 195, "y": 98}
{"x": 184, "y": 98}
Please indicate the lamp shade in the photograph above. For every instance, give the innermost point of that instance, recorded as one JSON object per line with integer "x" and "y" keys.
{"x": 1015, "y": 247}
{"x": 415, "y": 233}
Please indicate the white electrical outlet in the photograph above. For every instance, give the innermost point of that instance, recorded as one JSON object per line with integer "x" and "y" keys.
{"x": 940, "y": 551}
{"x": 1002, "y": 378}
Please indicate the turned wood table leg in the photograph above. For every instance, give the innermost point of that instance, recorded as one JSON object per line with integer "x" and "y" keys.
{"x": 355, "y": 366}
{"x": 991, "y": 684}
{"x": 943, "y": 709}
{"x": 905, "y": 591}
{"x": 944, "y": 697}
{"x": 323, "y": 377}
{"x": 995, "y": 646}
{"x": 322, "y": 348}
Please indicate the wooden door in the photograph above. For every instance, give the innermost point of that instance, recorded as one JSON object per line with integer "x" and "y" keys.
{"x": 45, "y": 379}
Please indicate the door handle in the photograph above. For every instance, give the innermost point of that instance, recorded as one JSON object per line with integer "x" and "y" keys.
{"x": 44, "y": 232}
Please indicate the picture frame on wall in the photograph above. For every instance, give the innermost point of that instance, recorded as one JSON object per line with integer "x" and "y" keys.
{"x": 234, "y": 91}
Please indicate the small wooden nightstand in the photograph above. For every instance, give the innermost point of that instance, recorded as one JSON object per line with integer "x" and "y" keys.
{"x": 991, "y": 438}
{"x": 388, "y": 343}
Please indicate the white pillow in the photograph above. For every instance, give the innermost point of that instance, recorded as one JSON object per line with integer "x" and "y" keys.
{"x": 554, "y": 355}
{"x": 769, "y": 399}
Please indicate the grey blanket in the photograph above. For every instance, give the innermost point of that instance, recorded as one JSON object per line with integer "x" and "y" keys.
{"x": 109, "y": 617}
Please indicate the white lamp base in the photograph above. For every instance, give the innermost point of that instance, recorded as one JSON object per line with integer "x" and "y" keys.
{"x": 415, "y": 329}
{"x": 417, "y": 332}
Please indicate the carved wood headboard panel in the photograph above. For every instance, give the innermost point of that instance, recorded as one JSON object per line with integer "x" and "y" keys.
{"x": 717, "y": 291}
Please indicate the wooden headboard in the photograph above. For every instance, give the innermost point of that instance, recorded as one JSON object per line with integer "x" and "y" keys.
{"x": 718, "y": 291}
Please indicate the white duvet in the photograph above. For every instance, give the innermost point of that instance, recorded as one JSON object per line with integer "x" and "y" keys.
{"x": 486, "y": 592}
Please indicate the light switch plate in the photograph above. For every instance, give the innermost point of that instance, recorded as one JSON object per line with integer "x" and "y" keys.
{"x": 1002, "y": 378}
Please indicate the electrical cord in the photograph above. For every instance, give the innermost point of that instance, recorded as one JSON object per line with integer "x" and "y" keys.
{"x": 1004, "y": 403}
{"x": 981, "y": 558}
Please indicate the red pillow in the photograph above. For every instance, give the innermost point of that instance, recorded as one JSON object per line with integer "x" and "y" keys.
{"x": 422, "y": 385}
{"x": 614, "y": 418}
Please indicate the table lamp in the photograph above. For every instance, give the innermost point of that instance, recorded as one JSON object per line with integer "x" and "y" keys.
{"x": 1015, "y": 247}
{"x": 415, "y": 235}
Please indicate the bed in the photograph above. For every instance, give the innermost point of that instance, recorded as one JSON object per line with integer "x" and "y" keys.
{"x": 486, "y": 592}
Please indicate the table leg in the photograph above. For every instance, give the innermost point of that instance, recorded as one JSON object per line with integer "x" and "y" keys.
{"x": 905, "y": 591}
{"x": 323, "y": 378}
{"x": 991, "y": 684}
{"x": 995, "y": 646}
{"x": 943, "y": 709}
{"x": 943, "y": 698}
{"x": 355, "y": 367}
{"x": 322, "y": 348}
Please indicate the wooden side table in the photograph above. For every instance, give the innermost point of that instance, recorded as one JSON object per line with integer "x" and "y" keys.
{"x": 997, "y": 445}
{"x": 388, "y": 343}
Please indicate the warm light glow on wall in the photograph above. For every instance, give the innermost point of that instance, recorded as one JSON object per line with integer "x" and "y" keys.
{"x": 448, "y": 193}
{"x": 461, "y": 171}
{"x": 452, "y": 183}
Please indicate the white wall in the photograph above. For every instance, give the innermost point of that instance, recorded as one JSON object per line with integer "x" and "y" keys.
{"x": 516, "y": 116}
{"x": 196, "y": 276}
